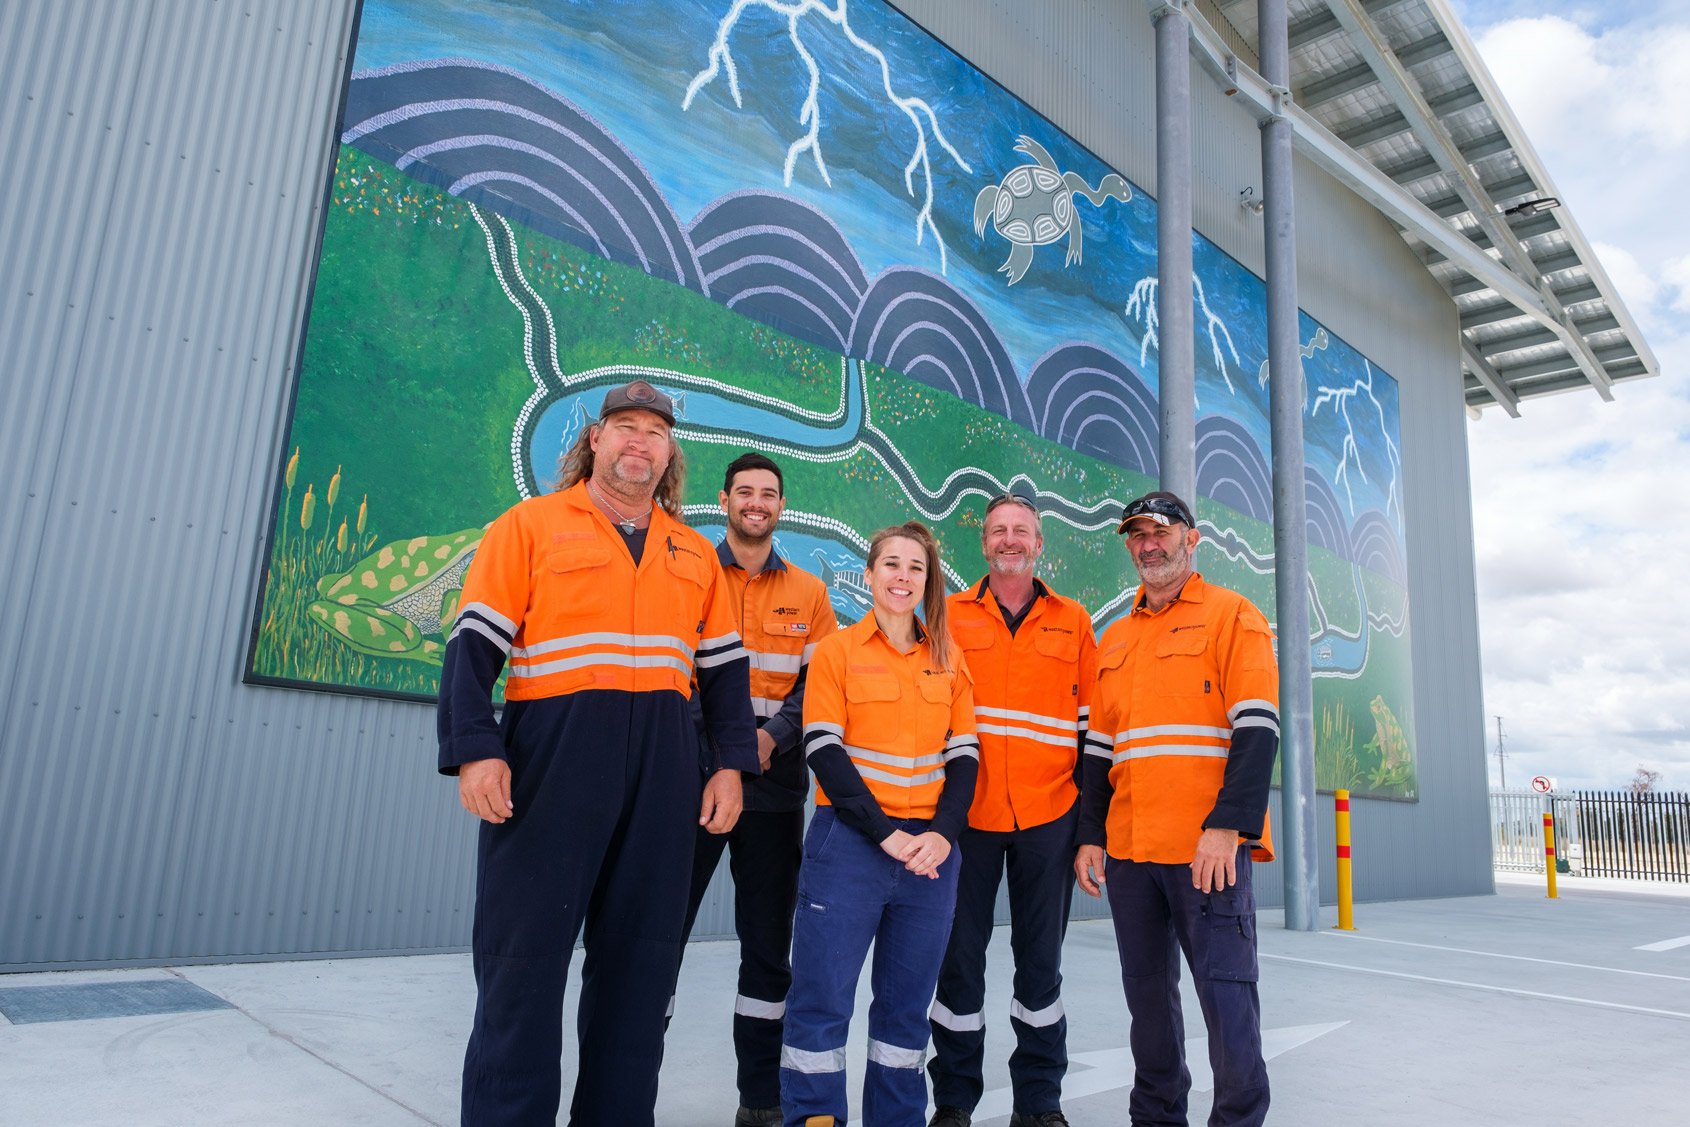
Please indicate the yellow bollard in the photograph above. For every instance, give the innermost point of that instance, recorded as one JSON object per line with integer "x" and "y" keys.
{"x": 1346, "y": 893}
{"x": 1549, "y": 852}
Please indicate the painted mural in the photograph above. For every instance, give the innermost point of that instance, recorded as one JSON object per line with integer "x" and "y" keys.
{"x": 831, "y": 240}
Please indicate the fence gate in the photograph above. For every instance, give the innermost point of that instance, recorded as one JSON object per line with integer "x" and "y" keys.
{"x": 1597, "y": 833}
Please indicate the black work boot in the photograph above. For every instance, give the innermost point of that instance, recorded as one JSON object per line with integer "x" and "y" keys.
{"x": 950, "y": 1117}
{"x": 758, "y": 1117}
{"x": 1039, "y": 1119}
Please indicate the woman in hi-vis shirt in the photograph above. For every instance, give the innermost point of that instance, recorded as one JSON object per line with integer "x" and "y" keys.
{"x": 889, "y": 733}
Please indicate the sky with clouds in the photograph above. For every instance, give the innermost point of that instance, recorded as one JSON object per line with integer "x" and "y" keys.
{"x": 1581, "y": 509}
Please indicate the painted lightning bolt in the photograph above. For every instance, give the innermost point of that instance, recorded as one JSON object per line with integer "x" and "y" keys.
{"x": 920, "y": 114}
{"x": 1141, "y": 306}
{"x": 1341, "y": 401}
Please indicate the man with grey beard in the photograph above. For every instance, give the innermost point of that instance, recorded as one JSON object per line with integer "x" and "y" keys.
{"x": 1184, "y": 730}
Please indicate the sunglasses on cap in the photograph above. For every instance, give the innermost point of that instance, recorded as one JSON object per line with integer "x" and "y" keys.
{"x": 1162, "y": 510}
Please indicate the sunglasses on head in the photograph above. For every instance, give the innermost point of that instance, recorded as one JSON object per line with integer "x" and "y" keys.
{"x": 1010, "y": 499}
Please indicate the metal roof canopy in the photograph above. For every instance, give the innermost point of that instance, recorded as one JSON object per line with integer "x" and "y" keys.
{"x": 1392, "y": 99}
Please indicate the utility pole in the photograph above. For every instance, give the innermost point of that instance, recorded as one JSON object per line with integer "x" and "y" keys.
{"x": 1501, "y": 757}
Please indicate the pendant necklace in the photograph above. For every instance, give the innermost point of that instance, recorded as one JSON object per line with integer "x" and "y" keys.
{"x": 625, "y": 523}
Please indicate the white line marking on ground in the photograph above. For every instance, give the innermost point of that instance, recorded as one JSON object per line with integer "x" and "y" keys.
{"x": 1110, "y": 1070}
{"x": 1527, "y": 958}
{"x": 1483, "y": 986}
{"x": 1666, "y": 945}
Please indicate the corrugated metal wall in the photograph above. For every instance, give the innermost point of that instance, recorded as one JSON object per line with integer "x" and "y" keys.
{"x": 167, "y": 165}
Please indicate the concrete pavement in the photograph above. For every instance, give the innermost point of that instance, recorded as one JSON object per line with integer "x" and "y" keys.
{"x": 1484, "y": 1010}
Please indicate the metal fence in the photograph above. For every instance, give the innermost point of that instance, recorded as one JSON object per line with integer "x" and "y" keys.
{"x": 1597, "y": 833}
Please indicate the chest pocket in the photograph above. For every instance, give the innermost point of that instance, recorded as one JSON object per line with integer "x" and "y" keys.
{"x": 1061, "y": 645}
{"x": 934, "y": 718}
{"x": 1183, "y": 667}
{"x": 873, "y": 711}
{"x": 572, "y": 585}
{"x": 972, "y": 635}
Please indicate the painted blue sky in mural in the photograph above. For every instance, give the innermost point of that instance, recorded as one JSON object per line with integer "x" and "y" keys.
{"x": 629, "y": 64}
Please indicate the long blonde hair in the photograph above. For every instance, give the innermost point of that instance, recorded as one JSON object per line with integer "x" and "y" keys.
{"x": 576, "y": 465}
{"x": 933, "y": 592}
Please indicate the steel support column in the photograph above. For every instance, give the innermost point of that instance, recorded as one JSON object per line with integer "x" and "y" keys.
{"x": 1176, "y": 368}
{"x": 1287, "y": 396}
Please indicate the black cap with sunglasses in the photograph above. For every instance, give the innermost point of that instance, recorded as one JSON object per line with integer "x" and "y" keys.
{"x": 1161, "y": 506}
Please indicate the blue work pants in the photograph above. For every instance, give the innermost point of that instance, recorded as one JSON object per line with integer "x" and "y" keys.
{"x": 1157, "y": 914}
{"x": 852, "y": 894}
{"x": 1041, "y": 889}
{"x": 764, "y": 849}
{"x": 602, "y": 837}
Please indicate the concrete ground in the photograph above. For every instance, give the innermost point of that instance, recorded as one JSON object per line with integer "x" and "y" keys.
{"x": 1486, "y": 1010}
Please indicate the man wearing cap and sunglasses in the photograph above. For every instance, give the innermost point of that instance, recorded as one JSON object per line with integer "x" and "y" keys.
{"x": 1032, "y": 655}
{"x": 1184, "y": 730}
{"x": 604, "y": 607}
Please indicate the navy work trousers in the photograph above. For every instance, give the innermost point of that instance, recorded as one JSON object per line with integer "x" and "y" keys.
{"x": 851, "y": 893}
{"x": 1157, "y": 914}
{"x": 602, "y": 837}
{"x": 763, "y": 849}
{"x": 1041, "y": 889}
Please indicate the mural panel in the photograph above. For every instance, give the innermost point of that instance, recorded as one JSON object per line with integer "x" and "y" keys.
{"x": 831, "y": 239}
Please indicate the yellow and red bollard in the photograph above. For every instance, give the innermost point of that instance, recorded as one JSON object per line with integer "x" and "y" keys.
{"x": 1549, "y": 852}
{"x": 1346, "y": 892}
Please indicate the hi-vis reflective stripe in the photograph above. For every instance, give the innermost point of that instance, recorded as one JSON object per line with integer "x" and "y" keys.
{"x": 603, "y": 638}
{"x": 900, "y": 780}
{"x": 775, "y": 663}
{"x": 602, "y": 657}
{"x": 1026, "y": 725}
{"x": 489, "y": 623}
{"x": 1152, "y": 751}
{"x": 809, "y": 652}
{"x": 719, "y": 650}
{"x": 895, "y": 1056}
{"x": 955, "y": 1022}
{"x": 911, "y": 761}
{"x": 1030, "y": 717}
{"x": 962, "y": 747}
{"x": 756, "y": 1007}
{"x": 765, "y": 707}
{"x": 1100, "y": 743}
{"x": 1254, "y": 714}
{"x": 1050, "y": 1015}
{"x": 1175, "y": 730}
{"x": 812, "y": 1063}
{"x": 862, "y": 758}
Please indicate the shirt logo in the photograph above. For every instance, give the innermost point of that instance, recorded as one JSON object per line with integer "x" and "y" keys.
{"x": 669, "y": 542}
{"x": 785, "y": 610}
{"x": 1054, "y": 630}
{"x": 1188, "y": 626}
{"x": 797, "y": 627}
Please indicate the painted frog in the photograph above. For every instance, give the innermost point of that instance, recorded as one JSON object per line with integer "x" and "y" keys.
{"x": 400, "y": 600}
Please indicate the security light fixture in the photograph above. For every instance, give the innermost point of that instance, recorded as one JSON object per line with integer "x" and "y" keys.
{"x": 1528, "y": 208}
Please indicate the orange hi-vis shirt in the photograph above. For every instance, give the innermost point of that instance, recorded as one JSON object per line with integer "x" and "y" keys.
{"x": 554, "y": 586}
{"x": 1032, "y": 697}
{"x": 900, "y": 721}
{"x": 1185, "y": 716}
{"x": 783, "y": 611}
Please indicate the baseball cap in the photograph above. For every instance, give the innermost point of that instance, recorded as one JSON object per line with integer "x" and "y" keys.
{"x": 637, "y": 396}
{"x": 1161, "y": 506}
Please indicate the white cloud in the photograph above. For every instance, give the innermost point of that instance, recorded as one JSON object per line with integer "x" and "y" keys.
{"x": 1581, "y": 515}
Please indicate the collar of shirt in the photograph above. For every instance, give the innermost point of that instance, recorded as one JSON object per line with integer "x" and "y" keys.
{"x": 868, "y": 627}
{"x": 726, "y": 555}
{"x": 1040, "y": 591}
{"x": 1192, "y": 592}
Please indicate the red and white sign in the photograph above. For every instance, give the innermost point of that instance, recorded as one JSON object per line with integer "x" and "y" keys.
{"x": 1542, "y": 784}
